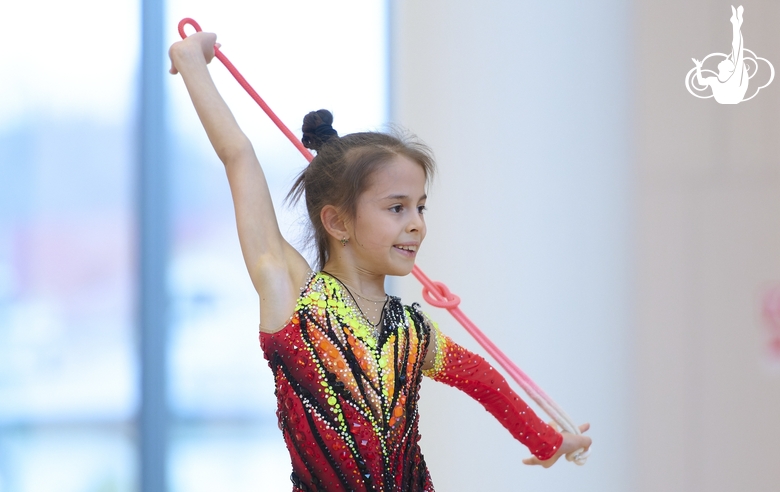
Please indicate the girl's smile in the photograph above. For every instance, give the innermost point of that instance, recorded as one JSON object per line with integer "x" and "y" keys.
{"x": 409, "y": 250}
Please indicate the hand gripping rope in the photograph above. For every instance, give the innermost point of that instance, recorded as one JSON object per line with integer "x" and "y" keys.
{"x": 435, "y": 293}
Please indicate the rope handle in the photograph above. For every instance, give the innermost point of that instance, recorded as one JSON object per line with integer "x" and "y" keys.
{"x": 435, "y": 293}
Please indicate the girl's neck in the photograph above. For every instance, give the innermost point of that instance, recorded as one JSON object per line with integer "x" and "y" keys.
{"x": 367, "y": 284}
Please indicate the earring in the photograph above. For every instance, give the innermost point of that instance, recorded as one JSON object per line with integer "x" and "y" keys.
{"x": 344, "y": 241}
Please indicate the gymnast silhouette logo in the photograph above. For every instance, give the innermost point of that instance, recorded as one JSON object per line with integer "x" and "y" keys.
{"x": 734, "y": 70}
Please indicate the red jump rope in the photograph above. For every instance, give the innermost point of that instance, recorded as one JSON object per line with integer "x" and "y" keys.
{"x": 435, "y": 293}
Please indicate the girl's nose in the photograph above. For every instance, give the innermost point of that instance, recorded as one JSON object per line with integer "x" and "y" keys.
{"x": 416, "y": 223}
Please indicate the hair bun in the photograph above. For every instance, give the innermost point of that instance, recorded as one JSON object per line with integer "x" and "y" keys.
{"x": 317, "y": 129}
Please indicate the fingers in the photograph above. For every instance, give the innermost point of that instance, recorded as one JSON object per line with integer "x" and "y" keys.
{"x": 574, "y": 455}
{"x": 573, "y": 443}
{"x": 533, "y": 461}
{"x": 209, "y": 45}
{"x": 581, "y": 445}
{"x": 582, "y": 440}
{"x": 172, "y": 70}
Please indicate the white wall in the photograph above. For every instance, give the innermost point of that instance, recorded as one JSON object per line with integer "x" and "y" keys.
{"x": 708, "y": 225}
{"x": 527, "y": 106}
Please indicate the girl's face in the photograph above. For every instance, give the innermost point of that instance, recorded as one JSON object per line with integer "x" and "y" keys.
{"x": 389, "y": 226}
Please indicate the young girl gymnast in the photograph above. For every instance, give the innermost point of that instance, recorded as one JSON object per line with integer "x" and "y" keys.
{"x": 347, "y": 358}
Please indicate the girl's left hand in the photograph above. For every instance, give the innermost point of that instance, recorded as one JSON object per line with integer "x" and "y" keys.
{"x": 571, "y": 443}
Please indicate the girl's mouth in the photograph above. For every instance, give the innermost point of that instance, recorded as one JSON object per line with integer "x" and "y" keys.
{"x": 406, "y": 249}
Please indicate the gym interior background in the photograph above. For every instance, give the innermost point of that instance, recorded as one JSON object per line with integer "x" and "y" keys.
{"x": 616, "y": 236}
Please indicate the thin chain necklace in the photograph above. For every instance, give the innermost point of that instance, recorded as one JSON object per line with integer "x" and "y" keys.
{"x": 376, "y": 311}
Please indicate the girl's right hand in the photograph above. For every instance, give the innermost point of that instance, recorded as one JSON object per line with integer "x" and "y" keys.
{"x": 197, "y": 44}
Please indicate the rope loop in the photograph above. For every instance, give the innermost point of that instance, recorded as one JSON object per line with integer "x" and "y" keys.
{"x": 441, "y": 297}
{"x": 189, "y": 21}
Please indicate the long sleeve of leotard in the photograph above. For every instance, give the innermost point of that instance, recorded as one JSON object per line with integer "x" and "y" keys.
{"x": 470, "y": 373}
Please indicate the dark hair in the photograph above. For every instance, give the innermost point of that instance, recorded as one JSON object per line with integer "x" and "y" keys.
{"x": 340, "y": 171}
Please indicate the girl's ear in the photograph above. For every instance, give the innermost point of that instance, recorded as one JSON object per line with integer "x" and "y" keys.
{"x": 334, "y": 223}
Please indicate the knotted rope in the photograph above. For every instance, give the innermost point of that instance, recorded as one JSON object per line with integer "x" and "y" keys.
{"x": 435, "y": 293}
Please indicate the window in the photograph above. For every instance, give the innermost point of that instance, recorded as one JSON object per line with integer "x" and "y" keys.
{"x": 299, "y": 56}
{"x": 67, "y": 363}
{"x": 69, "y": 370}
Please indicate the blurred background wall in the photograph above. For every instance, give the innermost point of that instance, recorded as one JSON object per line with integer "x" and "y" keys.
{"x": 530, "y": 219}
{"x": 707, "y": 256}
{"x": 615, "y": 235}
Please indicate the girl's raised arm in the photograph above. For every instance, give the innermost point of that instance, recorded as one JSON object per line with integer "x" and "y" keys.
{"x": 277, "y": 270}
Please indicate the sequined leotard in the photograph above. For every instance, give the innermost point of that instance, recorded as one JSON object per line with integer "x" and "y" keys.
{"x": 347, "y": 400}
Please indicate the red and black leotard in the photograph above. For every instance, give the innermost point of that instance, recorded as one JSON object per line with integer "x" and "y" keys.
{"x": 347, "y": 399}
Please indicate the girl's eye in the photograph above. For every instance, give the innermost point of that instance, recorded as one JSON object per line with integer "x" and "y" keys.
{"x": 396, "y": 209}
{"x": 421, "y": 209}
